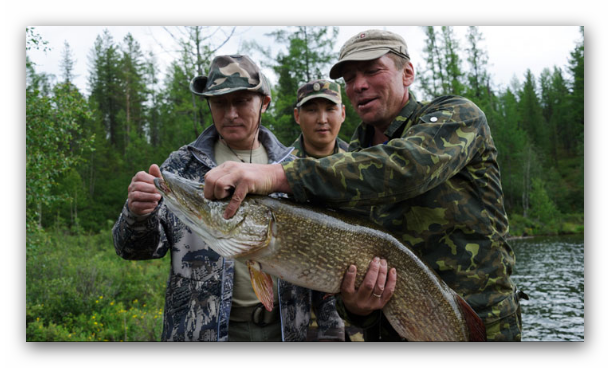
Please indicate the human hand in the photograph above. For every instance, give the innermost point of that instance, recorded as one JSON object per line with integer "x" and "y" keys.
{"x": 374, "y": 292}
{"x": 239, "y": 179}
{"x": 142, "y": 195}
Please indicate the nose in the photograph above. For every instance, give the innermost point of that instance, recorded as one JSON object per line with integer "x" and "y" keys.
{"x": 231, "y": 112}
{"x": 322, "y": 117}
{"x": 359, "y": 83}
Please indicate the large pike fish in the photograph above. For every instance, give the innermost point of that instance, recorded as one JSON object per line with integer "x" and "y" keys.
{"x": 313, "y": 247}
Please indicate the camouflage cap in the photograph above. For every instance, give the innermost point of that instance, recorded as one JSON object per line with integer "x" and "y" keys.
{"x": 319, "y": 88}
{"x": 231, "y": 73}
{"x": 369, "y": 45}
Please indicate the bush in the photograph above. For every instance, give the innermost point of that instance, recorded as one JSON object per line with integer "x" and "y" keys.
{"x": 78, "y": 289}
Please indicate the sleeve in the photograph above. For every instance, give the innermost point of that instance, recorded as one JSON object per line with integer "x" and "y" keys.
{"x": 445, "y": 137}
{"x": 363, "y": 322}
{"x": 148, "y": 236}
{"x": 140, "y": 237}
{"x": 330, "y": 324}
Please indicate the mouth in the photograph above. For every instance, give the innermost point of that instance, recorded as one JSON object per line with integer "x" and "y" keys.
{"x": 365, "y": 103}
{"x": 162, "y": 186}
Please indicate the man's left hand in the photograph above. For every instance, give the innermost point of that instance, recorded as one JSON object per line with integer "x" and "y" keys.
{"x": 374, "y": 292}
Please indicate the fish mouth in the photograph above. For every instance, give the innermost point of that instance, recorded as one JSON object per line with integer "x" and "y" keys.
{"x": 162, "y": 186}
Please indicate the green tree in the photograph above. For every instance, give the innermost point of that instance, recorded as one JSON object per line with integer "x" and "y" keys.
{"x": 511, "y": 142}
{"x": 105, "y": 86}
{"x": 477, "y": 76}
{"x": 442, "y": 74}
{"x": 133, "y": 88}
{"x": 54, "y": 144}
{"x": 543, "y": 208}
{"x": 308, "y": 54}
{"x": 432, "y": 77}
{"x": 530, "y": 114}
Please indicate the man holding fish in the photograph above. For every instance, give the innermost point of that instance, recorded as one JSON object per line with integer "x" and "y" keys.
{"x": 426, "y": 172}
{"x": 210, "y": 297}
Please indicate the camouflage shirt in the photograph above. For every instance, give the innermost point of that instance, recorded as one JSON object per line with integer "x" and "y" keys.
{"x": 200, "y": 285}
{"x": 299, "y": 148}
{"x": 436, "y": 186}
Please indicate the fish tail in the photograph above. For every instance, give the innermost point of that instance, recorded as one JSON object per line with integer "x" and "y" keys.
{"x": 476, "y": 327}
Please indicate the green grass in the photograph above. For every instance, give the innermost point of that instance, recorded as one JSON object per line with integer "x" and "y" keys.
{"x": 78, "y": 289}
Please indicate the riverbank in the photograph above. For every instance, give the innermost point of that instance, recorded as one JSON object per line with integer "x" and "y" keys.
{"x": 521, "y": 227}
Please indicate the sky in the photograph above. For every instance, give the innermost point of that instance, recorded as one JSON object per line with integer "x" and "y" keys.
{"x": 593, "y": 14}
{"x": 511, "y": 49}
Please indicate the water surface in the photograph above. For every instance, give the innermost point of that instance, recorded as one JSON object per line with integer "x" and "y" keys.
{"x": 551, "y": 270}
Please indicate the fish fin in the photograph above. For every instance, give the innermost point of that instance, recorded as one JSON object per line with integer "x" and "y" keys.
{"x": 476, "y": 327}
{"x": 262, "y": 284}
{"x": 328, "y": 295}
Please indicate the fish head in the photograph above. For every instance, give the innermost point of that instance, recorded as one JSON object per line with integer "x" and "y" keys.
{"x": 248, "y": 231}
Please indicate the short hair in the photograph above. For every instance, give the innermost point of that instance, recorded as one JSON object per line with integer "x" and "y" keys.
{"x": 399, "y": 61}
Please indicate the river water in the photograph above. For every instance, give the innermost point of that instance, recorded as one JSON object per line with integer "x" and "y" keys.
{"x": 551, "y": 271}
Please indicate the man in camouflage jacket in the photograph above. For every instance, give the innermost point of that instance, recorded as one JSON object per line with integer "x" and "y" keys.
{"x": 426, "y": 172}
{"x": 319, "y": 112}
{"x": 200, "y": 287}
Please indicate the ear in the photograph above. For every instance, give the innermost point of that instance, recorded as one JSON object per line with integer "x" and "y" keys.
{"x": 266, "y": 101}
{"x": 342, "y": 113}
{"x": 408, "y": 74}
{"x": 296, "y": 115}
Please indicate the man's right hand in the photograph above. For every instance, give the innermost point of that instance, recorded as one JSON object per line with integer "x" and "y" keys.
{"x": 142, "y": 195}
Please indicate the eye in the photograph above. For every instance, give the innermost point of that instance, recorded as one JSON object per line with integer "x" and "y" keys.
{"x": 348, "y": 77}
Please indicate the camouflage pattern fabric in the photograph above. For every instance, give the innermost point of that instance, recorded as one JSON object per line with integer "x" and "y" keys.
{"x": 319, "y": 88}
{"x": 200, "y": 285}
{"x": 231, "y": 73}
{"x": 299, "y": 150}
{"x": 436, "y": 186}
{"x": 352, "y": 333}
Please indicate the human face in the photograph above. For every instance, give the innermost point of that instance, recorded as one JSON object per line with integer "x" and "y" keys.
{"x": 320, "y": 120}
{"x": 377, "y": 90}
{"x": 236, "y": 117}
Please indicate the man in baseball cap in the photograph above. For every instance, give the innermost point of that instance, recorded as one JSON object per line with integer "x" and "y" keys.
{"x": 210, "y": 298}
{"x": 369, "y": 45}
{"x": 426, "y": 172}
{"x": 320, "y": 113}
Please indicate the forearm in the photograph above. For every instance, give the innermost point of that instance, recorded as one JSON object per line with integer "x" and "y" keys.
{"x": 138, "y": 237}
{"x": 402, "y": 169}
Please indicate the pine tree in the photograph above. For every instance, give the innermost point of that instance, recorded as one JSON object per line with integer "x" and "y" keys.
{"x": 442, "y": 74}
{"x": 478, "y": 78}
{"x": 105, "y": 87}
{"x": 67, "y": 64}
{"x": 308, "y": 56}
{"x": 530, "y": 114}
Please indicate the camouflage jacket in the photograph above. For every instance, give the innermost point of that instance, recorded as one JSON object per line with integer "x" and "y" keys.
{"x": 436, "y": 186}
{"x": 299, "y": 150}
{"x": 200, "y": 285}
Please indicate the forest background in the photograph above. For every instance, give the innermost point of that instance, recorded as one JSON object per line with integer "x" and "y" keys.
{"x": 83, "y": 149}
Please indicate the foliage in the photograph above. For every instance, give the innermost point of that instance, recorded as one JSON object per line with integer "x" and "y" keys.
{"x": 77, "y": 289}
{"x": 54, "y": 143}
{"x": 308, "y": 54}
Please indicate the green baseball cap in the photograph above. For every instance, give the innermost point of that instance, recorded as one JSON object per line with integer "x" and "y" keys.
{"x": 231, "y": 73}
{"x": 369, "y": 45}
{"x": 319, "y": 88}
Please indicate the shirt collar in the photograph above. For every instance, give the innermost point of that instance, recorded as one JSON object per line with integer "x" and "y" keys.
{"x": 396, "y": 128}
